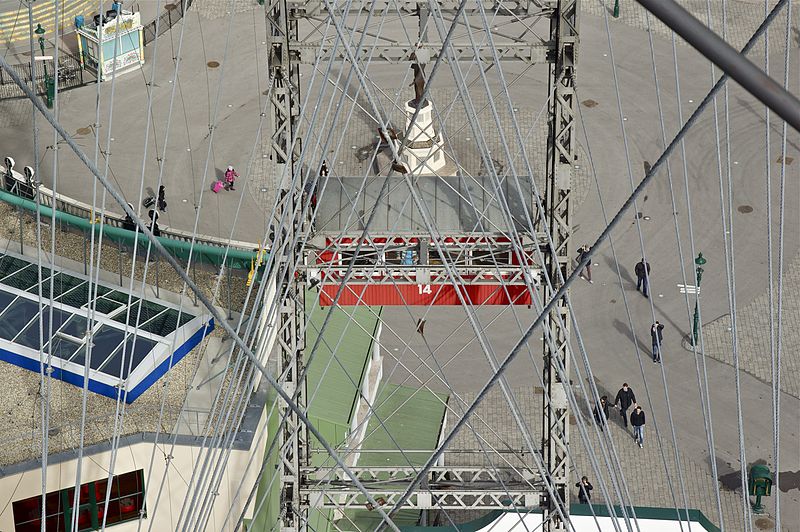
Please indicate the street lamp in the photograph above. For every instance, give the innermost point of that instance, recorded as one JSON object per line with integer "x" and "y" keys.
{"x": 49, "y": 84}
{"x": 698, "y": 262}
{"x": 616, "y": 9}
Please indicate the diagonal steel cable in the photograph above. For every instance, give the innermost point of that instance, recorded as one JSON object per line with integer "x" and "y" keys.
{"x": 584, "y": 261}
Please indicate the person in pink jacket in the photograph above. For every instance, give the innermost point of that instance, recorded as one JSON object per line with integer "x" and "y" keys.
{"x": 230, "y": 178}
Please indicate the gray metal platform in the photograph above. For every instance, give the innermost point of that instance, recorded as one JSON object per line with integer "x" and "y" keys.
{"x": 456, "y": 205}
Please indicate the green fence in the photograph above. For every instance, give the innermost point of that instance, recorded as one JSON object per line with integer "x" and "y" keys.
{"x": 237, "y": 259}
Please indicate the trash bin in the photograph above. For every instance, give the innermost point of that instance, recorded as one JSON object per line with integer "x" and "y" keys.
{"x": 50, "y": 86}
{"x": 759, "y": 484}
{"x": 79, "y": 21}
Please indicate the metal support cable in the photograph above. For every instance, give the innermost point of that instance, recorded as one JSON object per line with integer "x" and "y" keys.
{"x": 467, "y": 99}
{"x": 93, "y": 279}
{"x": 219, "y": 278}
{"x": 214, "y": 312}
{"x": 213, "y": 114}
{"x": 700, "y": 361}
{"x": 603, "y": 236}
{"x": 777, "y": 352}
{"x": 548, "y": 334}
{"x": 679, "y": 244}
{"x": 119, "y": 416}
{"x": 621, "y": 122}
{"x": 736, "y": 65}
{"x": 395, "y": 153}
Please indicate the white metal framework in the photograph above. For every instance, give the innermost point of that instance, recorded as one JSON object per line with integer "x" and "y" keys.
{"x": 415, "y": 260}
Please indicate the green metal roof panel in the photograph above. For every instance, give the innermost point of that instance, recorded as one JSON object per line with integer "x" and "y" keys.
{"x": 414, "y": 419}
{"x": 334, "y": 382}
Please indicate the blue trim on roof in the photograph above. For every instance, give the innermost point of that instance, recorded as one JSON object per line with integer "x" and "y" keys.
{"x": 165, "y": 366}
{"x": 102, "y": 388}
{"x": 600, "y": 510}
{"x": 58, "y": 373}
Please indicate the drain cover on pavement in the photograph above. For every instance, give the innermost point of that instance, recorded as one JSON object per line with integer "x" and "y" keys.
{"x": 765, "y": 523}
{"x": 212, "y": 64}
{"x": 745, "y": 209}
{"x": 589, "y": 103}
{"x": 83, "y": 130}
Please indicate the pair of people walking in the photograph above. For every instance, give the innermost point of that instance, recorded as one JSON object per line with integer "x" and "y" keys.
{"x": 160, "y": 202}
{"x": 624, "y": 400}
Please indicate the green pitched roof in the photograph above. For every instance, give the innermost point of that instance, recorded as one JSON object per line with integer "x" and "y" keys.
{"x": 412, "y": 420}
{"x": 334, "y": 382}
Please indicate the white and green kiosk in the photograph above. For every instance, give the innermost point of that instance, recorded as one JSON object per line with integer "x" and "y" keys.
{"x": 113, "y": 42}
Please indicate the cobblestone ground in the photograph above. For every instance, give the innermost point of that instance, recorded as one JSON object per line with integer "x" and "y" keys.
{"x": 215, "y": 9}
{"x": 753, "y": 325}
{"x": 460, "y": 145}
{"x": 646, "y": 477}
{"x": 743, "y": 18}
{"x": 20, "y": 392}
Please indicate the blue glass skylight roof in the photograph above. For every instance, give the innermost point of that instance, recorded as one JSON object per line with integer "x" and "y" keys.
{"x": 132, "y": 338}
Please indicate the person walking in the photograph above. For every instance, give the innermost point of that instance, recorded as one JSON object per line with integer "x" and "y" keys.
{"x": 586, "y": 273}
{"x": 642, "y": 271}
{"x": 230, "y": 178}
{"x": 153, "y": 214}
{"x": 162, "y": 199}
{"x": 128, "y": 223}
{"x": 601, "y": 412}
{"x": 637, "y": 420}
{"x": 624, "y": 399}
{"x": 657, "y": 336}
{"x": 584, "y": 490}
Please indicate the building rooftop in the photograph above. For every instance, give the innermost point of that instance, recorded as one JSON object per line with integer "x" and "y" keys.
{"x": 127, "y": 341}
{"x": 454, "y": 204}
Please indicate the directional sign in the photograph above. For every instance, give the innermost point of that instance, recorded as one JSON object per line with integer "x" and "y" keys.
{"x": 689, "y": 289}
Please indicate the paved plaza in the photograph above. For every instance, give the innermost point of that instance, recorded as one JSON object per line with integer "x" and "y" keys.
{"x": 613, "y": 319}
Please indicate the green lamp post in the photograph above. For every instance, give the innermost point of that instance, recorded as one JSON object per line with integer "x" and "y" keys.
{"x": 698, "y": 262}
{"x": 616, "y": 8}
{"x": 49, "y": 83}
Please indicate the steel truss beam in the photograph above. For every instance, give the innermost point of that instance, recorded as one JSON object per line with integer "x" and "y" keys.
{"x": 521, "y": 8}
{"x": 445, "y": 488}
{"x": 281, "y": 33}
{"x": 435, "y": 275}
{"x": 450, "y": 488}
{"x": 293, "y": 437}
{"x": 560, "y": 160}
{"x": 526, "y": 53}
{"x": 477, "y": 257}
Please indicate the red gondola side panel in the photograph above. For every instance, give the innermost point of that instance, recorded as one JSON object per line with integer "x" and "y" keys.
{"x": 424, "y": 295}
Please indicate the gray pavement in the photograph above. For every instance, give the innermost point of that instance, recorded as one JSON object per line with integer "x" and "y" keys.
{"x": 189, "y": 166}
{"x": 617, "y": 350}
{"x": 600, "y": 309}
{"x": 643, "y": 470}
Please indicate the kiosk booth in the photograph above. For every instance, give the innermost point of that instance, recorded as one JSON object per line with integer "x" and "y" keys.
{"x": 112, "y": 43}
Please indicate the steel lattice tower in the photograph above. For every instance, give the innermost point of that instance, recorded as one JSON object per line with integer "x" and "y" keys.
{"x": 286, "y": 53}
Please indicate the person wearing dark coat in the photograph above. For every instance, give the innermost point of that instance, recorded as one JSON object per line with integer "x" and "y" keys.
{"x": 658, "y": 338}
{"x": 642, "y": 271}
{"x": 601, "y": 412}
{"x": 162, "y": 199}
{"x": 584, "y": 490}
{"x": 624, "y": 399}
{"x": 128, "y": 222}
{"x": 153, "y": 214}
{"x": 586, "y": 273}
{"x": 637, "y": 420}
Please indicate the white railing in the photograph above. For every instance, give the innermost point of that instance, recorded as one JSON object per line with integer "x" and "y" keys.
{"x": 83, "y": 210}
